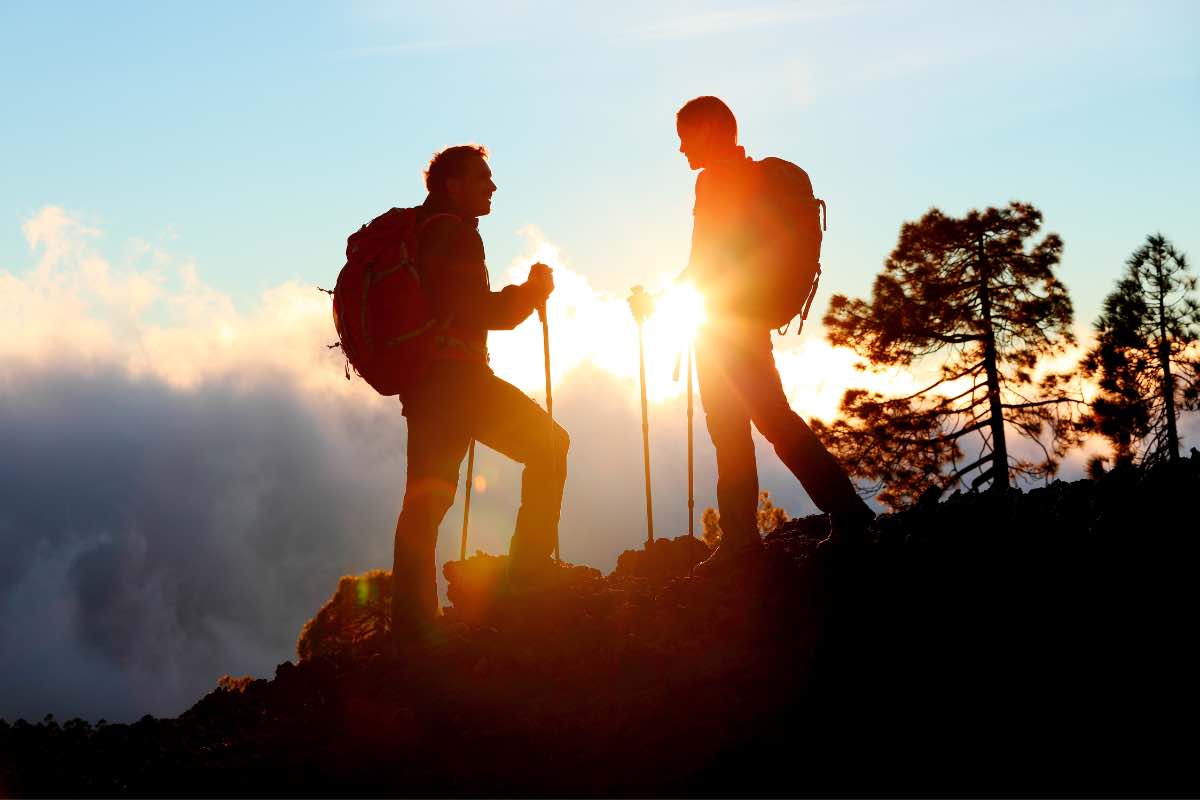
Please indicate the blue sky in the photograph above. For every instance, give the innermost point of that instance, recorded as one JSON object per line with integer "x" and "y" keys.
{"x": 255, "y": 137}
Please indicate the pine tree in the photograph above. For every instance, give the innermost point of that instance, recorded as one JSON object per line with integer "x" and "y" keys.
{"x": 971, "y": 295}
{"x": 711, "y": 522}
{"x": 768, "y": 517}
{"x": 1146, "y": 358}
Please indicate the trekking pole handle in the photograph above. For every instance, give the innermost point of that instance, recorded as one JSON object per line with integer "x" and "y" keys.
{"x": 542, "y": 275}
{"x": 641, "y": 304}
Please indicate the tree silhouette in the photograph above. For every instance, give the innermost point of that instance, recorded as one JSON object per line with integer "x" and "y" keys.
{"x": 768, "y": 517}
{"x": 710, "y": 520}
{"x": 968, "y": 292}
{"x": 1146, "y": 358}
{"x": 358, "y": 612}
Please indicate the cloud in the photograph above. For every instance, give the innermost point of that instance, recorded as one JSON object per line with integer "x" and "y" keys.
{"x": 154, "y": 317}
{"x": 164, "y": 537}
{"x": 180, "y": 486}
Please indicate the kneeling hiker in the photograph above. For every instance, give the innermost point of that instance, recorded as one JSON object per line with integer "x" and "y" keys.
{"x": 756, "y": 243}
{"x": 450, "y": 394}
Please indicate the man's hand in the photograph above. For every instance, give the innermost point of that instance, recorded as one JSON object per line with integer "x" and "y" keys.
{"x": 541, "y": 281}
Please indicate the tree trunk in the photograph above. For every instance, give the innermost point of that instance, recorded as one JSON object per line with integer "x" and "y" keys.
{"x": 1164, "y": 360}
{"x": 996, "y": 410}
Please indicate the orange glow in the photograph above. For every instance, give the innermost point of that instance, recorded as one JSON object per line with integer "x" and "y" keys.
{"x": 678, "y": 315}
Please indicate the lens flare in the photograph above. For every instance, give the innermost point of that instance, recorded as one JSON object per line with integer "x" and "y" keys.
{"x": 679, "y": 313}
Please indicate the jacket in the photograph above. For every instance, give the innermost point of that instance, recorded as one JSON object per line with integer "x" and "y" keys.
{"x": 453, "y": 270}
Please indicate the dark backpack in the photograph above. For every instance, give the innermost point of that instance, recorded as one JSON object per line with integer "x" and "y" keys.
{"x": 380, "y": 310}
{"x": 788, "y": 255}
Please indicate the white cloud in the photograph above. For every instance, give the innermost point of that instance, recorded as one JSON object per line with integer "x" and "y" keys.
{"x": 156, "y": 317}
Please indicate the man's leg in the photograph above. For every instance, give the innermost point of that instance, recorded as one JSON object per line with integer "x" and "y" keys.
{"x": 797, "y": 446}
{"x": 512, "y": 424}
{"x": 728, "y": 422}
{"x": 437, "y": 441}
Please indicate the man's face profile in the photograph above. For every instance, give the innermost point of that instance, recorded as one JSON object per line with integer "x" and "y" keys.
{"x": 695, "y": 143}
{"x": 472, "y": 191}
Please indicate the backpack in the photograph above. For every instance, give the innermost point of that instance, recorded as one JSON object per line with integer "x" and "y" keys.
{"x": 788, "y": 262}
{"x": 380, "y": 310}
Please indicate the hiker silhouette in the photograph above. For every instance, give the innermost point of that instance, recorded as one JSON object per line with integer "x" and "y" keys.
{"x": 755, "y": 257}
{"x": 457, "y": 398}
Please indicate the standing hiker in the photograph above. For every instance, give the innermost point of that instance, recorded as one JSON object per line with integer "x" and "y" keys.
{"x": 458, "y": 398}
{"x": 744, "y": 251}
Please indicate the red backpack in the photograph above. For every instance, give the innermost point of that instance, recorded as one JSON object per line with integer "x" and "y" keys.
{"x": 791, "y": 226}
{"x": 382, "y": 316}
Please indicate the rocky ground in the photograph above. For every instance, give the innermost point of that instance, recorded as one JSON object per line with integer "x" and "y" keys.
{"x": 1028, "y": 643}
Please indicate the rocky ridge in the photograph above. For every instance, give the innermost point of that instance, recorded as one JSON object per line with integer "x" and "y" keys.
{"x": 1026, "y": 642}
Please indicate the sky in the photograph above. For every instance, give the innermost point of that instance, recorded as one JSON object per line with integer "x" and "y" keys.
{"x": 184, "y": 470}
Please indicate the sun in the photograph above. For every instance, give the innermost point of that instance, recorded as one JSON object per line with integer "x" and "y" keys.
{"x": 668, "y": 333}
{"x": 678, "y": 314}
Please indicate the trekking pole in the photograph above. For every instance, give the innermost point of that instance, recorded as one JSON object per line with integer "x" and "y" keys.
{"x": 640, "y": 303}
{"x": 549, "y": 397}
{"x": 691, "y": 349}
{"x": 688, "y": 351}
{"x": 462, "y": 551}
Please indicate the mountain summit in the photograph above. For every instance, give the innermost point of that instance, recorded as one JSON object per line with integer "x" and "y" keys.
{"x": 1011, "y": 643}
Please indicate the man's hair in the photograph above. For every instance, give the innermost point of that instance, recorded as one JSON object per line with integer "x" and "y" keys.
{"x": 449, "y": 163}
{"x": 708, "y": 110}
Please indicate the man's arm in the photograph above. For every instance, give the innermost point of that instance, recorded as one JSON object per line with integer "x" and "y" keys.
{"x": 454, "y": 269}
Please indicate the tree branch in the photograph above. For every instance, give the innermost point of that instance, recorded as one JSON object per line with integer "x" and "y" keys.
{"x": 1032, "y": 404}
{"x": 958, "y": 475}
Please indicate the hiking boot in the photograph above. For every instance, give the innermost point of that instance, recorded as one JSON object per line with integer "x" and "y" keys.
{"x": 730, "y": 554}
{"x": 847, "y": 530}
{"x": 413, "y": 632}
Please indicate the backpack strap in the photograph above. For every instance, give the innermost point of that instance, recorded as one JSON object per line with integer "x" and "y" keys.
{"x": 812, "y": 293}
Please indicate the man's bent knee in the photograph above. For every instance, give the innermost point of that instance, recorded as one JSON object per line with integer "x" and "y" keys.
{"x": 562, "y": 442}
{"x": 432, "y": 496}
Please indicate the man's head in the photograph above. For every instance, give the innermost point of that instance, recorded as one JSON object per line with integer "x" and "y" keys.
{"x": 707, "y": 131}
{"x": 460, "y": 175}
